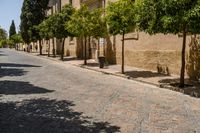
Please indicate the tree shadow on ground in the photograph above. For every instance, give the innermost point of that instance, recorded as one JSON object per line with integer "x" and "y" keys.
{"x": 19, "y": 87}
{"x": 3, "y": 55}
{"x": 48, "y": 116}
{"x": 11, "y": 69}
{"x": 96, "y": 64}
{"x": 143, "y": 74}
{"x": 93, "y": 64}
{"x": 70, "y": 58}
{"x": 16, "y": 65}
{"x": 11, "y": 72}
{"x": 191, "y": 88}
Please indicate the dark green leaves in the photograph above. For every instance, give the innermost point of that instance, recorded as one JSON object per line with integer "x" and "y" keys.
{"x": 12, "y": 30}
{"x": 33, "y": 13}
{"x": 120, "y": 16}
{"x": 168, "y": 16}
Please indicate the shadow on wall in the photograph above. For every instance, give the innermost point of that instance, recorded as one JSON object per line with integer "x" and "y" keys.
{"x": 111, "y": 50}
{"x": 18, "y": 87}
{"x": 48, "y": 116}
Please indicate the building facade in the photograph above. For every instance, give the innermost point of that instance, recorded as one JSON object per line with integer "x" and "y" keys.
{"x": 141, "y": 50}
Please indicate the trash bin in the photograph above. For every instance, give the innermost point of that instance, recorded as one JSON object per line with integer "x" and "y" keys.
{"x": 101, "y": 61}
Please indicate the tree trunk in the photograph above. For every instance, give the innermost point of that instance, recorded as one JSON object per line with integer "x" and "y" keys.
{"x": 40, "y": 46}
{"x": 63, "y": 48}
{"x": 89, "y": 44}
{"x": 98, "y": 48}
{"x": 48, "y": 43}
{"x": 54, "y": 51}
{"x": 85, "y": 57}
{"x": 123, "y": 53}
{"x": 28, "y": 48}
{"x": 182, "y": 76}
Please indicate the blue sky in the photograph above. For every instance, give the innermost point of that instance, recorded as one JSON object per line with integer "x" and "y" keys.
{"x": 10, "y": 10}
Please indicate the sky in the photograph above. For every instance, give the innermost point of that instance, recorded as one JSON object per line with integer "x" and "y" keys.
{"x": 10, "y": 10}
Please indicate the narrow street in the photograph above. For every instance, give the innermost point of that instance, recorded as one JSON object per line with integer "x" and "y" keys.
{"x": 43, "y": 96}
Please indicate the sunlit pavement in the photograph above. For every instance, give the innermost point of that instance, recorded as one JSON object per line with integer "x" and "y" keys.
{"x": 43, "y": 96}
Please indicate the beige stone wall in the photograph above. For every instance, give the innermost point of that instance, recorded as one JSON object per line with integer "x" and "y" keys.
{"x": 64, "y": 2}
{"x": 149, "y": 51}
{"x": 70, "y": 47}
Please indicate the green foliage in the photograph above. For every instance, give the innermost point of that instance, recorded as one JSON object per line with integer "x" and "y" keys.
{"x": 54, "y": 25}
{"x": 3, "y": 34}
{"x": 12, "y": 30}
{"x": 33, "y": 13}
{"x": 10, "y": 43}
{"x": 43, "y": 31}
{"x": 168, "y": 16}
{"x": 120, "y": 17}
{"x": 85, "y": 22}
{"x": 3, "y": 43}
{"x": 99, "y": 28}
{"x": 80, "y": 24}
{"x": 17, "y": 38}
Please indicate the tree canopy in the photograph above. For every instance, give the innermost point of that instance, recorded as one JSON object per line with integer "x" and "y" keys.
{"x": 80, "y": 24}
{"x": 170, "y": 16}
{"x": 120, "y": 16}
{"x": 12, "y": 30}
{"x": 3, "y": 37}
{"x": 33, "y": 13}
{"x": 59, "y": 22}
{"x": 3, "y": 34}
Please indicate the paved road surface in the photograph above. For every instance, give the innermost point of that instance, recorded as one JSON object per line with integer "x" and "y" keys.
{"x": 43, "y": 96}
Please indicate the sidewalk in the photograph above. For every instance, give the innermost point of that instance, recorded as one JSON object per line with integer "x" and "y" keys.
{"x": 132, "y": 73}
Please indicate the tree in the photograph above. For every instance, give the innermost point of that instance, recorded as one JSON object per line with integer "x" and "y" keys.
{"x": 46, "y": 31}
{"x": 12, "y": 30}
{"x": 3, "y": 34}
{"x": 33, "y": 13}
{"x": 82, "y": 24}
{"x": 3, "y": 43}
{"x": 10, "y": 43}
{"x": 170, "y": 16}
{"x": 17, "y": 38}
{"x": 120, "y": 19}
{"x": 58, "y": 26}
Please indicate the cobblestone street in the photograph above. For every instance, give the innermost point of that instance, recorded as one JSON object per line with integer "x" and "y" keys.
{"x": 38, "y": 95}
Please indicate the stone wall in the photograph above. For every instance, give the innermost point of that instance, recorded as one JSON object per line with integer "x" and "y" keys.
{"x": 149, "y": 51}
